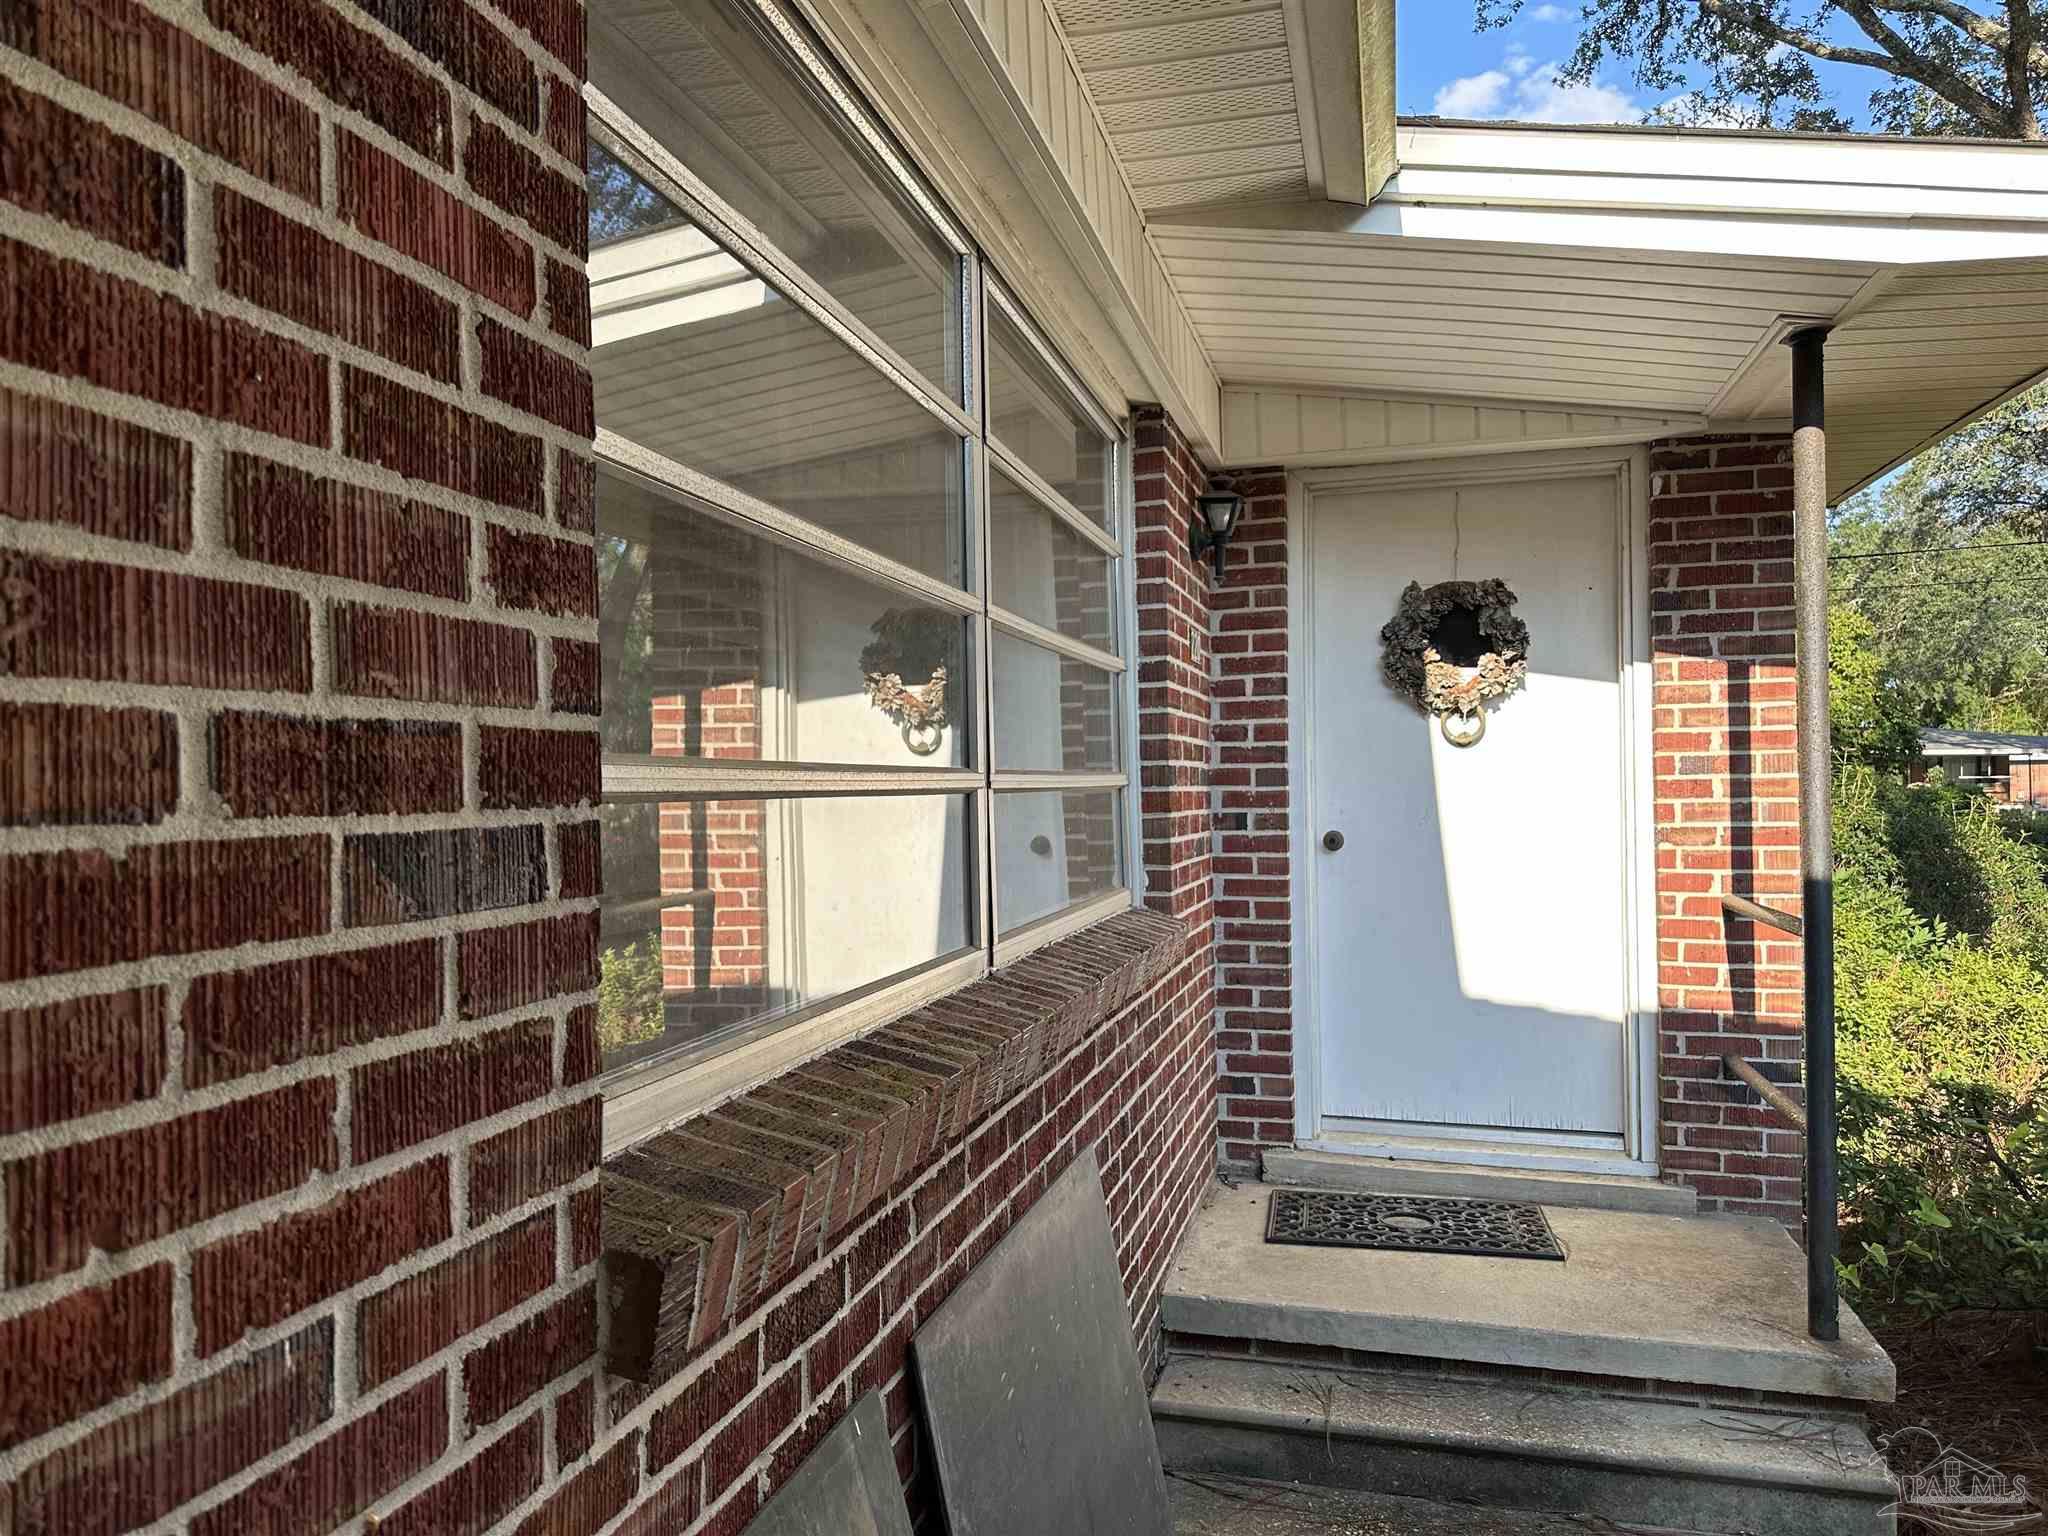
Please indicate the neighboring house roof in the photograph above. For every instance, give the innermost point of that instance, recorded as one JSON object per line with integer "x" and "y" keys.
{"x": 1951, "y": 743}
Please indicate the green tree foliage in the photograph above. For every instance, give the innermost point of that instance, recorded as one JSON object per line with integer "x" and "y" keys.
{"x": 1946, "y": 67}
{"x": 1941, "y": 949}
{"x": 1874, "y": 721}
{"x": 1949, "y": 585}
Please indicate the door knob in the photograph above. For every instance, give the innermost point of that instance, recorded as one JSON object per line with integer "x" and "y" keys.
{"x": 1333, "y": 840}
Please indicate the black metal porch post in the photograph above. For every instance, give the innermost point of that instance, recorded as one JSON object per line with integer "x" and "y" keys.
{"x": 1816, "y": 827}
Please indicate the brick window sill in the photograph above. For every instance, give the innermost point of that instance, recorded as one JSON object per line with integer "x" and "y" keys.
{"x": 707, "y": 1221}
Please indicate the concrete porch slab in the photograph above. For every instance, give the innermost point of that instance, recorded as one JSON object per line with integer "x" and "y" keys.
{"x": 1704, "y": 1300}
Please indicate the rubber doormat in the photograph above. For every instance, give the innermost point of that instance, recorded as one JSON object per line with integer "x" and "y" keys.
{"x": 1498, "y": 1229}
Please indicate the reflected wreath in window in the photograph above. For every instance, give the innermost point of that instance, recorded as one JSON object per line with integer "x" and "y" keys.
{"x": 912, "y": 644}
{"x": 1454, "y": 649}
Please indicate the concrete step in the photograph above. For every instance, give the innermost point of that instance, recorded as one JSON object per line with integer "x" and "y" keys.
{"x": 1215, "y": 1504}
{"x": 1691, "y": 1301}
{"x": 1305, "y": 1169}
{"x": 1636, "y": 1462}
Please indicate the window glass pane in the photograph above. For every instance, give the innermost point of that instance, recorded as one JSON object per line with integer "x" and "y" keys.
{"x": 1033, "y": 414}
{"x": 706, "y": 364}
{"x": 1042, "y": 570}
{"x": 1052, "y": 713}
{"x": 718, "y": 644}
{"x": 705, "y": 78}
{"x": 1052, "y": 850}
{"x": 719, "y": 914}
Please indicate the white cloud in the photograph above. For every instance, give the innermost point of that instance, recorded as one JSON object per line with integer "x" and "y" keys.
{"x": 1546, "y": 13}
{"x": 1524, "y": 91}
{"x": 1474, "y": 96}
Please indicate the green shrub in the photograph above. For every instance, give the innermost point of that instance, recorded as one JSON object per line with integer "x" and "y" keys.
{"x": 1941, "y": 950}
{"x": 629, "y": 993}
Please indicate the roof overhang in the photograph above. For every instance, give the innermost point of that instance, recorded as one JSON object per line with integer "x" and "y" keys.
{"x": 1227, "y": 100}
{"x": 1652, "y": 272}
{"x": 1058, "y": 127}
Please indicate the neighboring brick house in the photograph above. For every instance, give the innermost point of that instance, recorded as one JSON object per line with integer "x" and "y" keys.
{"x": 2010, "y": 769}
{"x": 614, "y": 748}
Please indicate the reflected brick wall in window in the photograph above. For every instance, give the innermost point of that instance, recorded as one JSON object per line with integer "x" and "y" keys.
{"x": 709, "y": 613}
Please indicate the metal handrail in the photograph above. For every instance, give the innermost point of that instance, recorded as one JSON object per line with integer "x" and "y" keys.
{"x": 1757, "y": 912}
{"x": 1767, "y": 1090}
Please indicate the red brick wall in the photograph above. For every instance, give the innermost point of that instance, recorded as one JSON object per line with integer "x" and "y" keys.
{"x": 1174, "y": 686}
{"x": 1727, "y": 813}
{"x": 830, "y": 1213}
{"x": 1213, "y": 715}
{"x": 299, "y": 1126}
{"x": 296, "y": 748}
{"x": 1254, "y": 932}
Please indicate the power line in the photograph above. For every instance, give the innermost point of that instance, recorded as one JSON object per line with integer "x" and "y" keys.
{"x": 1921, "y": 586}
{"x": 1941, "y": 549}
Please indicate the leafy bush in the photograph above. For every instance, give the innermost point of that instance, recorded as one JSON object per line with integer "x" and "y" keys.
{"x": 629, "y": 993}
{"x": 1941, "y": 950}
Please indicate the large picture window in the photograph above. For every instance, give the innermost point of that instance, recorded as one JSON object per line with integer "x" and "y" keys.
{"x": 860, "y": 563}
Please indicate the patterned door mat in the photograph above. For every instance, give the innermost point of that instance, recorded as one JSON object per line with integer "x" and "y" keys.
{"x": 1499, "y": 1229}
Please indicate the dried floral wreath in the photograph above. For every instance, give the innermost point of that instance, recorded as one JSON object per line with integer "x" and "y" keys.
{"x": 912, "y": 642}
{"x": 1453, "y": 649}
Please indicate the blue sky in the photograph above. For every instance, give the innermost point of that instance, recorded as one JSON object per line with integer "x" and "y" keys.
{"x": 1444, "y": 67}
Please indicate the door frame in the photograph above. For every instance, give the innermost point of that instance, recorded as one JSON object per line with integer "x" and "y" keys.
{"x": 1629, "y": 469}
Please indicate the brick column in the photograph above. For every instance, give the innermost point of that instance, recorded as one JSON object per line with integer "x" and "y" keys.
{"x": 298, "y": 1119}
{"x": 1174, "y": 689}
{"x": 1254, "y": 932}
{"x": 1727, "y": 813}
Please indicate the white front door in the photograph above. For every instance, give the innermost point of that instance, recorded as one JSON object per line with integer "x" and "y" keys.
{"x": 1472, "y": 935}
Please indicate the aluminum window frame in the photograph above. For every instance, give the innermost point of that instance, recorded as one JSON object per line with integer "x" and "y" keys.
{"x": 644, "y": 1095}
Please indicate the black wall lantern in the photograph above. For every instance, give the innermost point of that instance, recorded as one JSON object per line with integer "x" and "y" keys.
{"x": 1216, "y": 515}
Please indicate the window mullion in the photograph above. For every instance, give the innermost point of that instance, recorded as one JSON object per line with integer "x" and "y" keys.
{"x": 1052, "y": 640}
{"x": 645, "y": 154}
{"x": 734, "y": 506}
{"x": 1030, "y": 481}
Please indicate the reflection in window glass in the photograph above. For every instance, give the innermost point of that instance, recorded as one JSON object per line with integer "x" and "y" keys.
{"x": 1032, "y": 413}
{"x": 1052, "y": 713}
{"x": 705, "y": 78}
{"x": 718, "y": 644}
{"x": 1042, "y": 570}
{"x": 700, "y": 360}
{"x": 1052, "y": 850}
{"x": 721, "y": 914}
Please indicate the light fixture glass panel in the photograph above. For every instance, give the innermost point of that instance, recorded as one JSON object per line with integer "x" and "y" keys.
{"x": 1052, "y": 713}
{"x": 1053, "y": 849}
{"x": 717, "y": 644}
{"x": 710, "y": 81}
{"x": 1041, "y": 569}
{"x": 720, "y": 915}
{"x": 1032, "y": 413}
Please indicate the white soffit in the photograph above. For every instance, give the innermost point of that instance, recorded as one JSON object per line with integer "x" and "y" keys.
{"x": 1920, "y": 352}
{"x": 1646, "y": 273}
{"x": 1216, "y": 100}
